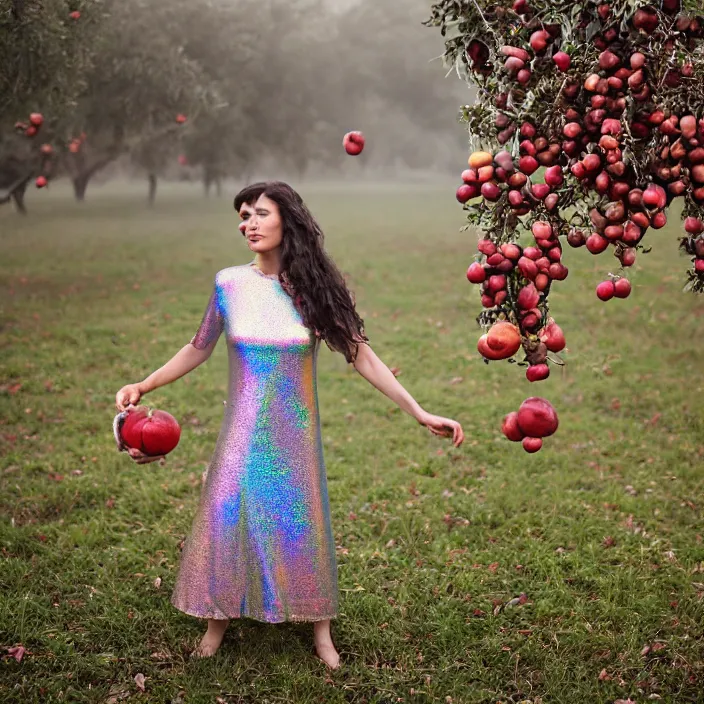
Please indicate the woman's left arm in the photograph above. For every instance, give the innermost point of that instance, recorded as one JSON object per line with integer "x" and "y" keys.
{"x": 381, "y": 377}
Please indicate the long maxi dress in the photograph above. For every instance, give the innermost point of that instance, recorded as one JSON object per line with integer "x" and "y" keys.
{"x": 261, "y": 544}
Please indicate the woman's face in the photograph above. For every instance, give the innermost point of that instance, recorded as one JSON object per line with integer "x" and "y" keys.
{"x": 261, "y": 225}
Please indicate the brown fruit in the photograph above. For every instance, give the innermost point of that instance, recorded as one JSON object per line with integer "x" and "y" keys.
{"x": 645, "y": 19}
{"x": 576, "y": 238}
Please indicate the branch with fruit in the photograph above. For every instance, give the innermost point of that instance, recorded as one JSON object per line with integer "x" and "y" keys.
{"x": 589, "y": 123}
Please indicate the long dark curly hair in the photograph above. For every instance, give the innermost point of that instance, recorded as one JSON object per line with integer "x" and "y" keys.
{"x": 308, "y": 274}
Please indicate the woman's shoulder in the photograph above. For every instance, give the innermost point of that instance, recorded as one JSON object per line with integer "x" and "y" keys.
{"x": 231, "y": 273}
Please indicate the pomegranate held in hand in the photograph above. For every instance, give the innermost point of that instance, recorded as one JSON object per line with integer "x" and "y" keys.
{"x": 151, "y": 431}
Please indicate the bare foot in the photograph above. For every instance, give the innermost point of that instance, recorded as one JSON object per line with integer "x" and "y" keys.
{"x": 212, "y": 639}
{"x": 324, "y": 646}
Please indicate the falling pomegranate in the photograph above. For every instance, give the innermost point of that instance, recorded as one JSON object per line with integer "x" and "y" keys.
{"x": 353, "y": 143}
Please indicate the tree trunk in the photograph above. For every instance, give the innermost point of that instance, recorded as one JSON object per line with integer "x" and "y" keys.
{"x": 206, "y": 185}
{"x": 18, "y": 197}
{"x": 17, "y": 9}
{"x": 218, "y": 186}
{"x": 152, "y": 189}
{"x": 80, "y": 184}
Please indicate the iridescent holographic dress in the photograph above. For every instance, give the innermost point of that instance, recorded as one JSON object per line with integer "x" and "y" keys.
{"x": 261, "y": 544}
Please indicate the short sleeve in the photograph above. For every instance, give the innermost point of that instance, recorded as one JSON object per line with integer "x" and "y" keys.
{"x": 212, "y": 324}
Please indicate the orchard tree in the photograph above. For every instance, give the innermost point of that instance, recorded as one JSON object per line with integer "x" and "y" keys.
{"x": 225, "y": 138}
{"x": 268, "y": 84}
{"x": 44, "y": 50}
{"x": 622, "y": 137}
{"x": 44, "y": 53}
{"x": 142, "y": 88}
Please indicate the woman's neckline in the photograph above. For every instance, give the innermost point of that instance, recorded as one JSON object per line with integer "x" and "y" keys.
{"x": 273, "y": 277}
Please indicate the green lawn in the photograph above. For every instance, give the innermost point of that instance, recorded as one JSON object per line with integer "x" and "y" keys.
{"x": 601, "y": 530}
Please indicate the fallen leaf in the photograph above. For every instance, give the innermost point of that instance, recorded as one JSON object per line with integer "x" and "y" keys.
{"x": 139, "y": 681}
{"x": 456, "y": 380}
{"x": 157, "y": 582}
{"x": 654, "y": 420}
{"x": 17, "y": 652}
{"x": 645, "y": 651}
{"x": 609, "y": 541}
{"x": 604, "y": 676}
{"x": 493, "y": 567}
{"x": 658, "y": 646}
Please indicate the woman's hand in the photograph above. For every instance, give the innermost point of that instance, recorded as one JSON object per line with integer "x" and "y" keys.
{"x": 444, "y": 427}
{"x": 128, "y": 396}
{"x": 140, "y": 458}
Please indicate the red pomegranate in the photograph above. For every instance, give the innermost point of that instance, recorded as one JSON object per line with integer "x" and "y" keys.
{"x": 532, "y": 444}
{"x": 353, "y": 143}
{"x": 510, "y": 427}
{"x": 537, "y": 372}
{"x": 537, "y": 418}
{"x": 151, "y": 431}
{"x": 476, "y": 273}
{"x": 504, "y": 338}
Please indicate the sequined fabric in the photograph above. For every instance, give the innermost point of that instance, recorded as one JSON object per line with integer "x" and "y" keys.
{"x": 261, "y": 544}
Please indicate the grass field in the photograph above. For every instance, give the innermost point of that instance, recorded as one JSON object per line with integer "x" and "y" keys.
{"x": 602, "y": 530}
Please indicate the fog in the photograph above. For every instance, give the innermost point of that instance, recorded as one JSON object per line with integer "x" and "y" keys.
{"x": 265, "y": 87}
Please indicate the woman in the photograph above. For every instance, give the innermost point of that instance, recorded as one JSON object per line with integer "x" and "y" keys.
{"x": 261, "y": 545}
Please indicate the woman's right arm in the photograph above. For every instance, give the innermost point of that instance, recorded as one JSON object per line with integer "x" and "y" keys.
{"x": 184, "y": 361}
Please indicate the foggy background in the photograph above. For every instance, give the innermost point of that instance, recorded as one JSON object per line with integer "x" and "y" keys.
{"x": 268, "y": 87}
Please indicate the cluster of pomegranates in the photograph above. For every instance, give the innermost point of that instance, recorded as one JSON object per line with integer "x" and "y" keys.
{"x": 30, "y": 129}
{"x": 593, "y": 151}
{"x": 535, "y": 419}
{"x": 32, "y": 126}
{"x": 599, "y": 118}
{"x": 74, "y": 146}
